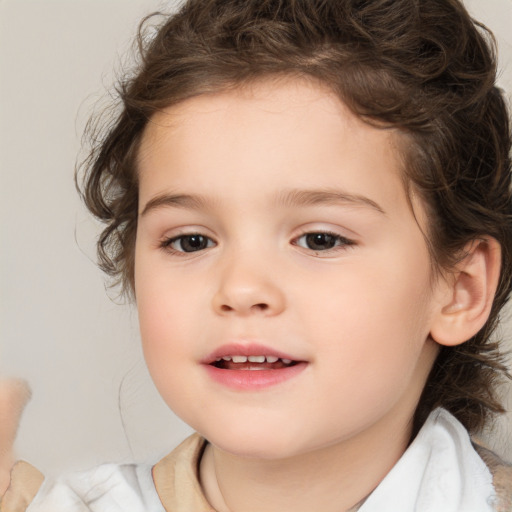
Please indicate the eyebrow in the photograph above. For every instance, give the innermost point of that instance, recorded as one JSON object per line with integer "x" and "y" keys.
{"x": 192, "y": 202}
{"x": 289, "y": 198}
{"x": 299, "y": 197}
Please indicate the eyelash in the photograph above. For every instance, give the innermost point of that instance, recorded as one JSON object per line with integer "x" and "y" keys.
{"x": 341, "y": 243}
{"x": 167, "y": 243}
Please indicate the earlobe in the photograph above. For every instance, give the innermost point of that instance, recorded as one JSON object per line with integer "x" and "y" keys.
{"x": 469, "y": 294}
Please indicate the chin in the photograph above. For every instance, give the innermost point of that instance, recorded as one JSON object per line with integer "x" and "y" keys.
{"x": 265, "y": 442}
{"x": 259, "y": 449}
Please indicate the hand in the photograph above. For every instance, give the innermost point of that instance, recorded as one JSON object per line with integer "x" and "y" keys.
{"x": 14, "y": 395}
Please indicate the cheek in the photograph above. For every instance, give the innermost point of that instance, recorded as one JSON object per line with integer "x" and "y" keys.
{"x": 373, "y": 298}
{"x": 376, "y": 320}
{"x": 164, "y": 344}
{"x": 163, "y": 319}
{"x": 170, "y": 309}
{"x": 160, "y": 310}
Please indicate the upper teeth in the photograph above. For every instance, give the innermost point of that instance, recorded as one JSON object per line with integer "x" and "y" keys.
{"x": 254, "y": 359}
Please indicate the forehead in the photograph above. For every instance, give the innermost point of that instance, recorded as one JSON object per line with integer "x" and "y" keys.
{"x": 263, "y": 104}
{"x": 281, "y": 132}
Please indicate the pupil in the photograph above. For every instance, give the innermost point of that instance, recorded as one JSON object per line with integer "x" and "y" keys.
{"x": 193, "y": 243}
{"x": 319, "y": 241}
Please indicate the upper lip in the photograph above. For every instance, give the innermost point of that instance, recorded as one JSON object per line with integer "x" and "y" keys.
{"x": 241, "y": 349}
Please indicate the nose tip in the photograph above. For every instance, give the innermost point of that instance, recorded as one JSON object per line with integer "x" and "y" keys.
{"x": 244, "y": 293}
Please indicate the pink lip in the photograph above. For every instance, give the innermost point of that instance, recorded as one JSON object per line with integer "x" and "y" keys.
{"x": 250, "y": 380}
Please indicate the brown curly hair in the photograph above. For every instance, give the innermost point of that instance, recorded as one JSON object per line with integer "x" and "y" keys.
{"x": 421, "y": 66}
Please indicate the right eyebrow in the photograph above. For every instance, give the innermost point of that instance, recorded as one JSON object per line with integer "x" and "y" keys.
{"x": 194, "y": 202}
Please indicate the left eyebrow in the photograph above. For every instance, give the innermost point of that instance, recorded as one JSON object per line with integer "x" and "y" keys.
{"x": 300, "y": 197}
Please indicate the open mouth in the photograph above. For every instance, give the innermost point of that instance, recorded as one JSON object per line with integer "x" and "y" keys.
{"x": 256, "y": 367}
{"x": 261, "y": 362}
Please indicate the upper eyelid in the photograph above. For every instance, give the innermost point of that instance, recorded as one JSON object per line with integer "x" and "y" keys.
{"x": 331, "y": 232}
{"x": 334, "y": 227}
{"x": 179, "y": 231}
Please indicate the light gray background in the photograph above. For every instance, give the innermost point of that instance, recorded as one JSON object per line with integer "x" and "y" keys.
{"x": 79, "y": 351}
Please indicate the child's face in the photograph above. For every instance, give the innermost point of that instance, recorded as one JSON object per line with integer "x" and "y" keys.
{"x": 297, "y": 240}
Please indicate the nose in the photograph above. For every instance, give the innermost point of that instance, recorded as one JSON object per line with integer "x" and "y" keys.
{"x": 248, "y": 288}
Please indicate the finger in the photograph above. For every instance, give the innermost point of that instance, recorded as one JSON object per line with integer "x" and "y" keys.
{"x": 14, "y": 395}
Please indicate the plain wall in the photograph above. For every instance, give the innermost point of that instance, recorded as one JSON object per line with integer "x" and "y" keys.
{"x": 92, "y": 398}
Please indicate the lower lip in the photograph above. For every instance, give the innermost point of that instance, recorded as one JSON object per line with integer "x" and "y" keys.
{"x": 251, "y": 380}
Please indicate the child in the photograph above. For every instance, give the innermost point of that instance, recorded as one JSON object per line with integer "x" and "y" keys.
{"x": 310, "y": 204}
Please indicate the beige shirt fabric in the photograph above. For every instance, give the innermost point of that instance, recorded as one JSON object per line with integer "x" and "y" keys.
{"x": 177, "y": 481}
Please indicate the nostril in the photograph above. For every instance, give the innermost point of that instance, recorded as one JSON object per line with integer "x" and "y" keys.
{"x": 262, "y": 306}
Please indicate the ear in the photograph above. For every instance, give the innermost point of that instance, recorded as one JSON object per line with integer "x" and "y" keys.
{"x": 468, "y": 294}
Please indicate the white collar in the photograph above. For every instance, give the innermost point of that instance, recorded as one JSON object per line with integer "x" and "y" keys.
{"x": 439, "y": 472}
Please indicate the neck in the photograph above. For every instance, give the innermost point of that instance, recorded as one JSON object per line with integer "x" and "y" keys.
{"x": 334, "y": 478}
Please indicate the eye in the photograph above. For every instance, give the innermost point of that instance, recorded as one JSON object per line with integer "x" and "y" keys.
{"x": 188, "y": 243}
{"x": 322, "y": 241}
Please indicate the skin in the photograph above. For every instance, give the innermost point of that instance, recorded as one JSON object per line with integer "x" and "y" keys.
{"x": 359, "y": 314}
{"x": 14, "y": 394}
